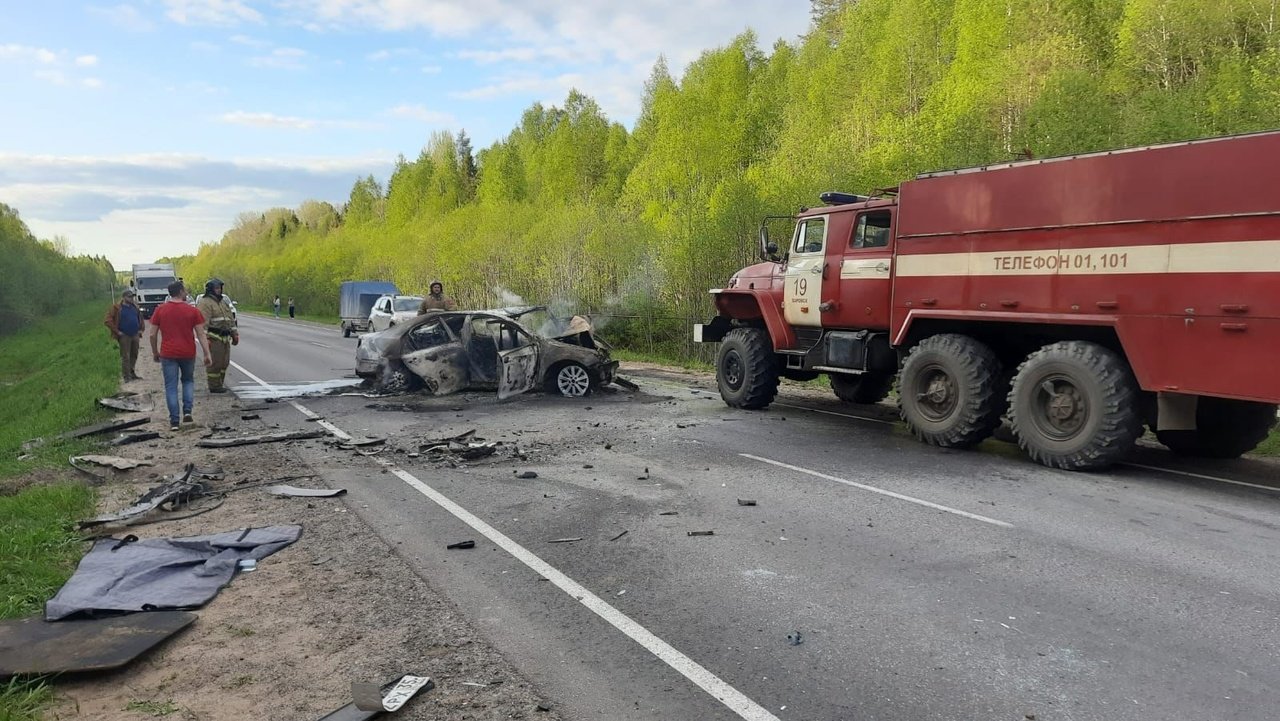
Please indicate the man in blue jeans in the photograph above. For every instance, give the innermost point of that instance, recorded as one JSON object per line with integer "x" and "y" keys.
{"x": 179, "y": 326}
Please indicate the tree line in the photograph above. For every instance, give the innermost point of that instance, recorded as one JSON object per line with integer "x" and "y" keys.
{"x": 40, "y": 278}
{"x": 572, "y": 207}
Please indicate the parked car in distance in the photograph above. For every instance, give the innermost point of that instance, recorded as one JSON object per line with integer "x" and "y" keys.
{"x": 450, "y": 351}
{"x": 390, "y": 310}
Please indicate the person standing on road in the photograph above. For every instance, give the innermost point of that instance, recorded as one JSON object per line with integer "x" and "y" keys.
{"x": 220, "y": 319}
{"x": 179, "y": 326}
{"x": 125, "y": 321}
{"x": 291, "y": 307}
{"x": 437, "y": 300}
{"x": 275, "y": 304}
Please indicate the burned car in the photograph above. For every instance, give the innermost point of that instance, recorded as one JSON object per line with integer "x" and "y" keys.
{"x": 450, "y": 351}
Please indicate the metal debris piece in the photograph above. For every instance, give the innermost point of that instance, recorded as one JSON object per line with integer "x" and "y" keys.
{"x": 116, "y": 462}
{"x": 131, "y": 437}
{"x": 746, "y": 502}
{"x": 263, "y": 438}
{"x": 525, "y": 475}
{"x": 129, "y": 402}
{"x": 620, "y": 535}
{"x": 34, "y": 646}
{"x": 294, "y": 491}
{"x": 629, "y": 385}
{"x": 702, "y": 533}
{"x": 250, "y": 417}
{"x": 178, "y": 491}
{"x": 796, "y": 638}
{"x": 390, "y": 696}
{"x": 669, "y": 513}
{"x": 107, "y": 427}
{"x": 460, "y": 545}
{"x": 565, "y": 540}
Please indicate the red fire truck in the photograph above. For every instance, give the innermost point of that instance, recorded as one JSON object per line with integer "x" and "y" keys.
{"x": 1082, "y": 298}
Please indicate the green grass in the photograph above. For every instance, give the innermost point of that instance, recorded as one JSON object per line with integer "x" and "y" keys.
{"x": 284, "y": 315}
{"x": 50, "y": 376}
{"x": 622, "y": 354}
{"x": 1269, "y": 447}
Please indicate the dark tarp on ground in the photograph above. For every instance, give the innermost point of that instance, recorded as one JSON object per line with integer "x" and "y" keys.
{"x": 162, "y": 573}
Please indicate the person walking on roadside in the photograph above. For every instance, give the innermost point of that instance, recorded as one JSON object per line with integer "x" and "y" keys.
{"x": 179, "y": 326}
{"x": 125, "y": 321}
{"x": 220, "y": 320}
{"x": 291, "y": 307}
{"x": 437, "y": 300}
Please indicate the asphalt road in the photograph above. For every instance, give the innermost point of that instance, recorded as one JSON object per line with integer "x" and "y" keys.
{"x": 919, "y": 583}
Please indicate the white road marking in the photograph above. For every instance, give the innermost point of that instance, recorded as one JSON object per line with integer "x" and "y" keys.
{"x": 1200, "y": 476}
{"x": 881, "y": 491}
{"x": 319, "y": 345}
{"x": 731, "y": 697}
{"x": 336, "y": 431}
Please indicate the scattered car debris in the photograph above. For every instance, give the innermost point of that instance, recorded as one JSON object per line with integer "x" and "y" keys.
{"x": 35, "y": 646}
{"x": 161, "y": 573}
{"x": 294, "y": 491}
{"x": 250, "y": 417}
{"x": 702, "y": 533}
{"x": 669, "y": 513}
{"x": 97, "y": 428}
{"x": 525, "y": 475}
{"x": 176, "y": 492}
{"x": 625, "y": 383}
{"x": 371, "y": 700}
{"x": 460, "y": 545}
{"x": 795, "y": 638}
{"x": 620, "y": 535}
{"x": 746, "y": 502}
{"x": 131, "y": 437}
{"x": 565, "y": 540}
{"x": 135, "y": 402}
{"x": 116, "y": 462}
{"x": 263, "y": 438}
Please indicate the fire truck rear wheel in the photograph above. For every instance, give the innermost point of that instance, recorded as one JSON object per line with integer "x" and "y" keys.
{"x": 951, "y": 392}
{"x": 1225, "y": 428}
{"x": 1075, "y": 405}
{"x": 747, "y": 369}
{"x": 864, "y": 388}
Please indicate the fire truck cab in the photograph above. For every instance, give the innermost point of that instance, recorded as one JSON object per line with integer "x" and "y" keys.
{"x": 1080, "y": 298}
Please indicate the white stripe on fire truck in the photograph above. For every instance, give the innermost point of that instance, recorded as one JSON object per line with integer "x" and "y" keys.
{"x": 851, "y": 269}
{"x": 1251, "y": 256}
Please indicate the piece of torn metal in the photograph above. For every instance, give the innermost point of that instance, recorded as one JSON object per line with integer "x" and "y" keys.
{"x": 107, "y": 427}
{"x": 702, "y": 533}
{"x": 262, "y": 438}
{"x": 116, "y": 462}
{"x": 34, "y": 646}
{"x": 249, "y": 416}
{"x": 130, "y": 437}
{"x": 173, "y": 493}
{"x": 620, "y": 535}
{"x": 746, "y": 502}
{"x": 460, "y": 545}
{"x": 575, "y": 539}
{"x": 525, "y": 475}
{"x": 161, "y": 573}
{"x": 625, "y": 383}
{"x": 286, "y": 490}
{"x": 370, "y": 700}
{"x": 136, "y": 402}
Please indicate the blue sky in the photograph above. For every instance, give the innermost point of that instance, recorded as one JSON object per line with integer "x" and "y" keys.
{"x": 143, "y": 128}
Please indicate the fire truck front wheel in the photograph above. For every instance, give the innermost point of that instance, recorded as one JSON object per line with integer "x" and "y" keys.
{"x": 951, "y": 391}
{"x": 1225, "y": 428}
{"x": 1075, "y": 405}
{"x": 746, "y": 369}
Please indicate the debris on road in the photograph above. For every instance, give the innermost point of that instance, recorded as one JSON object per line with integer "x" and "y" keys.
{"x": 702, "y": 533}
{"x": 460, "y": 545}
{"x": 295, "y": 492}
{"x": 795, "y": 638}
{"x": 620, "y": 535}
{"x": 116, "y": 462}
{"x": 746, "y": 502}
{"x": 525, "y": 475}
{"x": 130, "y": 437}
{"x": 566, "y": 540}
{"x": 625, "y": 383}
{"x": 138, "y": 575}
{"x": 33, "y": 646}
{"x": 669, "y": 513}
{"x": 250, "y": 417}
{"x": 134, "y": 402}
{"x": 370, "y": 700}
{"x": 176, "y": 492}
{"x": 263, "y": 438}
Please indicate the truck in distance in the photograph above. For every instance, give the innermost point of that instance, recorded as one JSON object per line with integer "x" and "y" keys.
{"x": 151, "y": 283}
{"x": 356, "y": 299}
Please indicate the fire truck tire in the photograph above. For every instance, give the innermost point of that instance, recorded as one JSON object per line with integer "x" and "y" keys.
{"x": 951, "y": 392}
{"x": 1074, "y": 405}
{"x": 1225, "y": 428}
{"x": 863, "y": 388}
{"x": 747, "y": 369}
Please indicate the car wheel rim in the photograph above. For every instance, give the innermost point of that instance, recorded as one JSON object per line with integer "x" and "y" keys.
{"x": 572, "y": 380}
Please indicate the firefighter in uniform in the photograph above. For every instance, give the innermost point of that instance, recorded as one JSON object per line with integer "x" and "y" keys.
{"x": 220, "y": 322}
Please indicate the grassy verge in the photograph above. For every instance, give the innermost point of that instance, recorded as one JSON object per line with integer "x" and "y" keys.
{"x": 629, "y": 356}
{"x": 50, "y": 375}
{"x": 1269, "y": 447}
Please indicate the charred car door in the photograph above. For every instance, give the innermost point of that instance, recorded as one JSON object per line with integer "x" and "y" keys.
{"x": 434, "y": 354}
{"x": 518, "y": 357}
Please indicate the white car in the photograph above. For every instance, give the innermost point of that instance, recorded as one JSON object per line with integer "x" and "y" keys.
{"x": 390, "y": 310}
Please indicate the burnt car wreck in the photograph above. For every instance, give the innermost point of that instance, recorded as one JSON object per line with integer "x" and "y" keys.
{"x": 450, "y": 351}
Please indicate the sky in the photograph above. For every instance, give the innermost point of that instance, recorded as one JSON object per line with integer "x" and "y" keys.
{"x": 142, "y": 129}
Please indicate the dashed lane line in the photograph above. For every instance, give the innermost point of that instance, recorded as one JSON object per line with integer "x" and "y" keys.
{"x": 719, "y": 689}
{"x": 881, "y": 491}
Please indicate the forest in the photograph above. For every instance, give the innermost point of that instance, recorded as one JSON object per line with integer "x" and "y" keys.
{"x": 40, "y": 278}
{"x": 635, "y": 225}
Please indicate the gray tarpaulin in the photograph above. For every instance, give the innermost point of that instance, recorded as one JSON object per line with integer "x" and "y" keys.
{"x": 162, "y": 573}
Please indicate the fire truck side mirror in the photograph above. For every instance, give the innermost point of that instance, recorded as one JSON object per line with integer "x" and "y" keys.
{"x": 768, "y": 248}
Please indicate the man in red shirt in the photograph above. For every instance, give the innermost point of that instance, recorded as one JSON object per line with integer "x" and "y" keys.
{"x": 179, "y": 326}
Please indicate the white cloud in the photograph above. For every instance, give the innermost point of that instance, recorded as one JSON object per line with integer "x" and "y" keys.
{"x": 249, "y": 41}
{"x": 520, "y": 55}
{"x": 421, "y": 113}
{"x": 281, "y": 59}
{"x": 27, "y": 53}
{"x": 271, "y": 120}
{"x": 210, "y": 12}
{"x": 86, "y": 61}
{"x": 126, "y": 17}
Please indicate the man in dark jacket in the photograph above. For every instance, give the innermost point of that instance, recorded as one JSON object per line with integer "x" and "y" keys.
{"x": 125, "y": 321}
